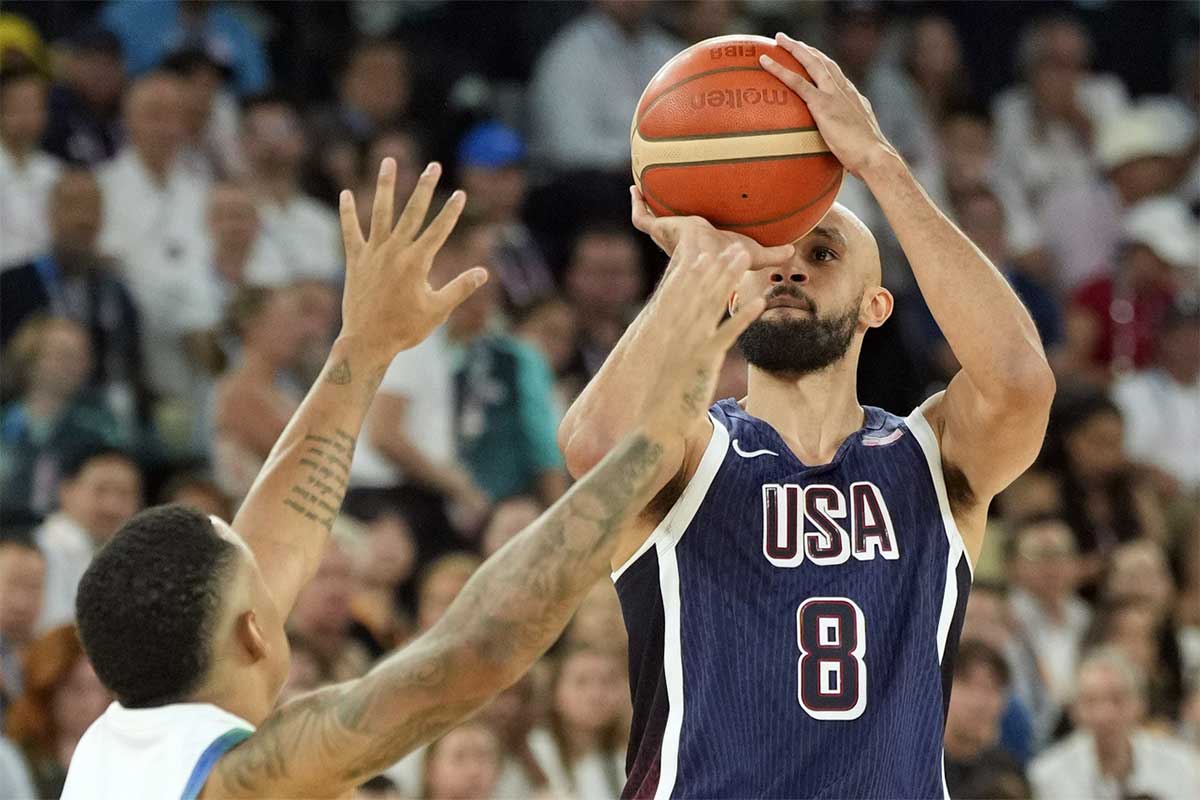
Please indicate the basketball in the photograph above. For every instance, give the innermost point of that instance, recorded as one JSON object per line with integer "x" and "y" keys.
{"x": 716, "y": 135}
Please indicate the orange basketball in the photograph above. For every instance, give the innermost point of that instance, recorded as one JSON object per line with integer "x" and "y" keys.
{"x": 718, "y": 136}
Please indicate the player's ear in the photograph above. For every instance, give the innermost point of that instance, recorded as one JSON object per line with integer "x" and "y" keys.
{"x": 877, "y": 306}
{"x": 250, "y": 636}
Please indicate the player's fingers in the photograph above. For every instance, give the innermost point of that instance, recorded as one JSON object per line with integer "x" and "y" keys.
{"x": 452, "y": 295}
{"x": 762, "y": 256}
{"x": 793, "y": 80}
{"x": 432, "y": 239}
{"x": 385, "y": 199}
{"x": 733, "y": 327}
{"x": 812, "y": 59}
{"x": 352, "y": 237}
{"x": 639, "y": 213}
{"x": 417, "y": 207}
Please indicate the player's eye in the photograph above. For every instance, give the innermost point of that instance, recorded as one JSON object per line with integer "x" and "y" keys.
{"x": 820, "y": 253}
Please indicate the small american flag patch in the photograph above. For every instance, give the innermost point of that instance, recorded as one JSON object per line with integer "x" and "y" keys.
{"x": 880, "y": 441}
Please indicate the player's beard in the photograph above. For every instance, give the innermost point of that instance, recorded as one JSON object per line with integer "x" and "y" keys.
{"x": 798, "y": 346}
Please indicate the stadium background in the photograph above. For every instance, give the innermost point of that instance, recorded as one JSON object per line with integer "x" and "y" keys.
{"x": 169, "y": 267}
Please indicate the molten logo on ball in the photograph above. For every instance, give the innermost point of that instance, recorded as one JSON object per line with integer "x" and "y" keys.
{"x": 736, "y": 98}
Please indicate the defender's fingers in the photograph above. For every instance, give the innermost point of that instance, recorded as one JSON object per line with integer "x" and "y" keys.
{"x": 352, "y": 237}
{"x": 439, "y": 230}
{"x": 417, "y": 207}
{"x": 385, "y": 200}
{"x": 452, "y": 295}
{"x": 793, "y": 80}
{"x": 732, "y": 328}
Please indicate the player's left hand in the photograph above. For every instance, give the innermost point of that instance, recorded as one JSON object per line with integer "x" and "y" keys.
{"x": 844, "y": 117}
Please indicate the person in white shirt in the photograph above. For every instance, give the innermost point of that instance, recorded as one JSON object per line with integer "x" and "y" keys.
{"x": 27, "y": 174}
{"x": 303, "y": 230}
{"x": 241, "y": 254}
{"x": 587, "y": 82}
{"x": 154, "y": 227}
{"x": 1050, "y": 619}
{"x": 1161, "y": 405}
{"x": 98, "y": 493}
{"x": 183, "y": 617}
{"x": 1109, "y": 757}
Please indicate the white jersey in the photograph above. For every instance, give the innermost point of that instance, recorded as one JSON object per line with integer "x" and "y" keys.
{"x": 160, "y": 753}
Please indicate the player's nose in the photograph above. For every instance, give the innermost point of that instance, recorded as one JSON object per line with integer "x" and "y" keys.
{"x": 789, "y": 274}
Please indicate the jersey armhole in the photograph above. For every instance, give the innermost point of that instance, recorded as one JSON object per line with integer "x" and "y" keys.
{"x": 680, "y": 515}
{"x": 923, "y": 432}
{"x": 209, "y": 758}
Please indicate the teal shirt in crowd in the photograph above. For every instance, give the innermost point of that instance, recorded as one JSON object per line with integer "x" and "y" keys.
{"x": 506, "y": 420}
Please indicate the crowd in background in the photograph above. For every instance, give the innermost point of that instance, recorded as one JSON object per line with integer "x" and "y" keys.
{"x": 170, "y": 262}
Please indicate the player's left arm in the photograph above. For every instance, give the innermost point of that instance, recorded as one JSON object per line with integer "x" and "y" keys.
{"x": 991, "y": 419}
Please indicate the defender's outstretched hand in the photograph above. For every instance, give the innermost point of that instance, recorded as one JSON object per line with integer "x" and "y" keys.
{"x": 698, "y": 235}
{"x": 844, "y": 117}
{"x": 388, "y": 304}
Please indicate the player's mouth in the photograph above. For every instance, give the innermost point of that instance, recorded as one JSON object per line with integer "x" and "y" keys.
{"x": 789, "y": 300}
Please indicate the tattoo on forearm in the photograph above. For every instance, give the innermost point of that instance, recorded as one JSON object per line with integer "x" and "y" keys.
{"x": 318, "y": 496}
{"x": 339, "y": 373}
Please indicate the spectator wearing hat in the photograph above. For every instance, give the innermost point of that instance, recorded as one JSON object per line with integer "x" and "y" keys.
{"x": 151, "y": 31}
{"x": 1045, "y": 124}
{"x": 27, "y": 173}
{"x": 85, "y": 104}
{"x": 1141, "y": 154}
{"x": 305, "y": 232}
{"x": 491, "y": 168}
{"x": 1161, "y": 404}
{"x": 1113, "y": 320}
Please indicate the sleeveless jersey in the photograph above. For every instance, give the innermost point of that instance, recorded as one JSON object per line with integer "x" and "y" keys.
{"x": 162, "y": 753}
{"x": 791, "y": 628}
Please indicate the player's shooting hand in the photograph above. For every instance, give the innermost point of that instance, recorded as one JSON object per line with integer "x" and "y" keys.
{"x": 691, "y": 304}
{"x": 388, "y": 304}
{"x": 844, "y": 117}
{"x": 697, "y": 235}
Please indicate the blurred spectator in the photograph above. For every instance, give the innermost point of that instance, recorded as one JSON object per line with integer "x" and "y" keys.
{"x": 857, "y": 28}
{"x": 321, "y": 311}
{"x": 322, "y": 615}
{"x": 549, "y": 325}
{"x": 211, "y": 148}
{"x": 1139, "y": 152}
{"x": 605, "y": 283}
{"x": 149, "y": 32}
{"x": 307, "y": 670}
{"x": 975, "y": 763}
{"x": 582, "y": 749}
{"x": 154, "y": 228}
{"x": 1036, "y": 491}
{"x": 504, "y": 390}
{"x": 1109, "y": 756}
{"x": 84, "y": 126}
{"x": 241, "y": 255}
{"x": 27, "y": 173}
{"x": 696, "y": 20}
{"x": 1045, "y": 125}
{"x": 1161, "y": 404}
{"x": 1135, "y": 628}
{"x": 406, "y": 147}
{"x": 464, "y": 763}
{"x": 73, "y": 280}
{"x": 588, "y": 80}
{"x": 52, "y": 418}
{"x": 15, "y": 780}
{"x": 1051, "y": 620}
{"x": 303, "y": 231}
{"x": 252, "y": 402}
{"x": 201, "y": 493}
{"x": 1113, "y": 319}
{"x": 62, "y": 698}
{"x": 913, "y": 98}
{"x": 22, "y": 580}
{"x": 509, "y": 518}
{"x": 513, "y": 715}
{"x": 386, "y": 564}
{"x": 407, "y": 455}
{"x": 440, "y": 583}
{"x": 21, "y": 44}
{"x": 1105, "y": 501}
{"x": 1187, "y": 609}
{"x": 598, "y": 623}
{"x": 374, "y": 91}
{"x": 491, "y": 168}
{"x": 99, "y": 491}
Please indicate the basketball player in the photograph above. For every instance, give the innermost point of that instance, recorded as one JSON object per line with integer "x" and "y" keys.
{"x": 794, "y": 593}
{"x": 182, "y": 615}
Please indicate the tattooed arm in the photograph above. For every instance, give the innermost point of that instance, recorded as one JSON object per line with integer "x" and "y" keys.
{"x": 514, "y": 607}
{"x": 387, "y": 306}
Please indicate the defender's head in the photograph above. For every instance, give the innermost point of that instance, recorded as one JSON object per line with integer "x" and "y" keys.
{"x": 175, "y": 608}
{"x": 820, "y": 303}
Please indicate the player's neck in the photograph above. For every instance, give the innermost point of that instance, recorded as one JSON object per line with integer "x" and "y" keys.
{"x": 814, "y": 413}
{"x": 237, "y": 695}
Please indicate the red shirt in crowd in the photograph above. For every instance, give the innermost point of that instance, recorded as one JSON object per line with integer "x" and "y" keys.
{"x": 1127, "y": 320}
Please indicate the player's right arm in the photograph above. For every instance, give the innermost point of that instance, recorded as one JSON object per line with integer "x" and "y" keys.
{"x": 516, "y": 605}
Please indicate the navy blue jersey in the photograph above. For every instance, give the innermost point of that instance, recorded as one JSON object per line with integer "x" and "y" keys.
{"x": 792, "y": 628}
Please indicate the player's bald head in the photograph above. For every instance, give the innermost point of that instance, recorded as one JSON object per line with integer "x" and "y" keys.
{"x": 860, "y": 245}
